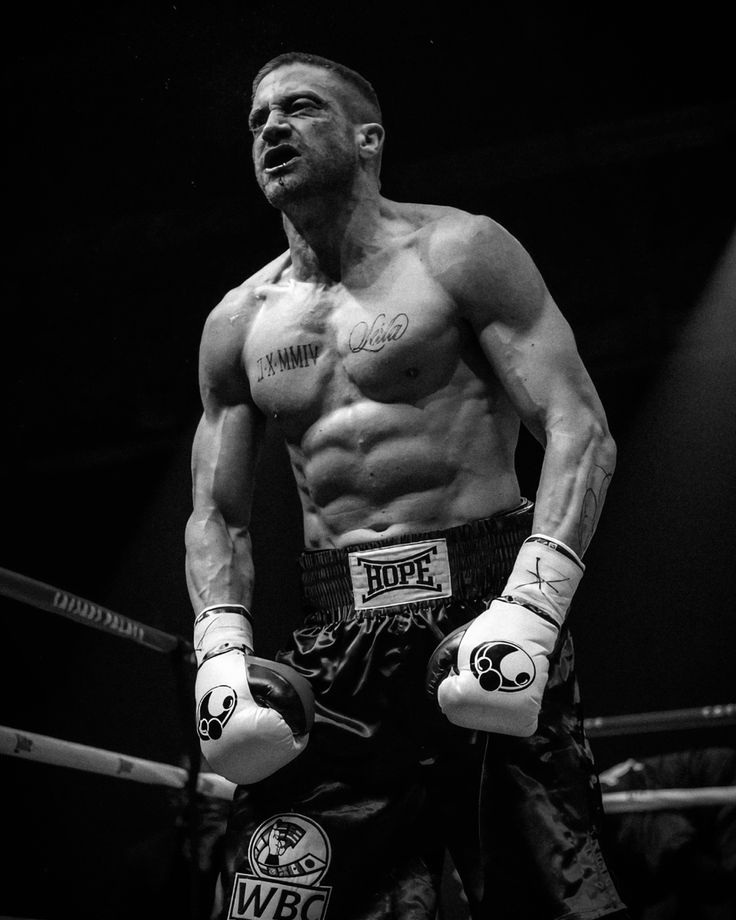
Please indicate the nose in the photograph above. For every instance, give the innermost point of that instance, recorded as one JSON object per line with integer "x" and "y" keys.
{"x": 276, "y": 126}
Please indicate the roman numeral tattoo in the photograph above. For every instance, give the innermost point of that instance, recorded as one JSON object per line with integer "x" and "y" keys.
{"x": 289, "y": 358}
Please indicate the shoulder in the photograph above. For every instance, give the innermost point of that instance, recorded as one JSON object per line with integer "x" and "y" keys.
{"x": 443, "y": 225}
{"x": 226, "y": 330}
{"x": 236, "y": 310}
{"x": 481, "y": 265}
{"x": 228, "y": 323}
{"x": 474, "y": 240}
{"x": 439, "y": 226}
{"x": 451, "y": 240}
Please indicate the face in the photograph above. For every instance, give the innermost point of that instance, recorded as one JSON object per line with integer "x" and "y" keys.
{"x": 304, "y": 140}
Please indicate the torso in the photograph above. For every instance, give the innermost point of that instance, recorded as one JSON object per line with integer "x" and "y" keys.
{"x": 393, "y": 419}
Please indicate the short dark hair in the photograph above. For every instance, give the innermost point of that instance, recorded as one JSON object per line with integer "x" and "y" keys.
{"x": 358, "y": 82}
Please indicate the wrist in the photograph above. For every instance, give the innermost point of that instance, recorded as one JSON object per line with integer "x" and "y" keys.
{"x": 545, "y": 576}
{"x": 222, "y": 628}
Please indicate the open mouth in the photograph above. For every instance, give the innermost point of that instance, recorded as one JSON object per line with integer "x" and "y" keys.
{"x": 279, "y": 158}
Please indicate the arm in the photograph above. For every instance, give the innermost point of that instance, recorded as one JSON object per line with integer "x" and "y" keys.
{"x": 253, "y": 715}
{"x": 491, "y": 673}
{"x": 532, "y": 351}
{"x": 219, "y": 561}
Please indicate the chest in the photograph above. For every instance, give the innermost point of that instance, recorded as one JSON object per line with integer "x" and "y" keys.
{"x": 311, "y": 347}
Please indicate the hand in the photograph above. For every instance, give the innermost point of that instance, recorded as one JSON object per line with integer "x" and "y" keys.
{"x": 253, "y": 715}
{"x": 491, "y": 673}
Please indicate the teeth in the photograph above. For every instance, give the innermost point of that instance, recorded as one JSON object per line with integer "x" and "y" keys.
{"x": 284, "y": 157}
{"x": 278, "y": 166}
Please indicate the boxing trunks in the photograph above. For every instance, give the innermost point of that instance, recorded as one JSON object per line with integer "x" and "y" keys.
{"x": 356, "y": 827}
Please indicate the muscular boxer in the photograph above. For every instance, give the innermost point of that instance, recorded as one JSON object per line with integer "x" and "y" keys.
{"x": 397, "y": 347}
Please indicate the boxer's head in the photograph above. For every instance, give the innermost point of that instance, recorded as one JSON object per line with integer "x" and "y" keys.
{"x": 366, "y": 105}
{"x": 316, "y": 125}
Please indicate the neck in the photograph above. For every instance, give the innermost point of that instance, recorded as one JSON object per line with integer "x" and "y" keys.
{"x": 331, "y": 235}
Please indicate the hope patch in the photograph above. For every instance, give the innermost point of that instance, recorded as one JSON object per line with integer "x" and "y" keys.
{"x": 402, "y": 574}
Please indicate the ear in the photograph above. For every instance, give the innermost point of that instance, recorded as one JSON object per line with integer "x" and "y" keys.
{"x": 370, "y": 140}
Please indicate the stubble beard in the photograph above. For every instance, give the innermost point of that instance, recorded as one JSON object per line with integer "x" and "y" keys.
{"x": 333, "y": 178}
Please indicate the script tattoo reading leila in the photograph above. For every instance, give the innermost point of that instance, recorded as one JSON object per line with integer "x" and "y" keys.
{"x": 289, "y": 358}
{"x": 373, "y": 337}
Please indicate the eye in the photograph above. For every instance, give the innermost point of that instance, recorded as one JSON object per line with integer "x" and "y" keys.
{"x": 302, "y": 104}
{"x": 256, "y": 122}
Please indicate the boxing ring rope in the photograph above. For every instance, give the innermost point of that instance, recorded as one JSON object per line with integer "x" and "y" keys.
{"x": 42, "y": 748}
{"x": 664, "y": 799}
{"x": 59, "y": 753}
{"x": 646, "y": 722}
{"x": 64, "y": 603}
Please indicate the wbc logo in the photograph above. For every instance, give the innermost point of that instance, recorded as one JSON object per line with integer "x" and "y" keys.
{"x": 288, "y": 855}
{"x": 401, "y": 574}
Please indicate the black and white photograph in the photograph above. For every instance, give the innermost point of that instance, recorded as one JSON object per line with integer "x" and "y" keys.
{"x": 369, "y": 450}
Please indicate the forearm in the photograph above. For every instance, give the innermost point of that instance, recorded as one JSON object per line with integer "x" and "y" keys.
{"x": 577, "y": 469}
{"x": 219, "y": 561}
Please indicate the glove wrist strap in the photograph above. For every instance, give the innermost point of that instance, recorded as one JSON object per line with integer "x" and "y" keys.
{"x": 221, "y": 628}
{"x": 222, "y": 649}
{"x": 546, "y": 575}
{"x": 558, "y": 546}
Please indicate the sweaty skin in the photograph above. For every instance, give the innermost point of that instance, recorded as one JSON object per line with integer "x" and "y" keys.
{"x": 397, "y": 347}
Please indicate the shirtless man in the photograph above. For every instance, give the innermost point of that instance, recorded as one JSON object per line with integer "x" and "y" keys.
{"x": 397, "y": 347}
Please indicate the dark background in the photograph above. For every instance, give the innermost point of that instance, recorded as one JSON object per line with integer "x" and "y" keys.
{"x": 602, "y": 136}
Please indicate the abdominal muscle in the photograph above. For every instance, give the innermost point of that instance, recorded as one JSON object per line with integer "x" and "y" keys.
{"x": 370, "y": 471}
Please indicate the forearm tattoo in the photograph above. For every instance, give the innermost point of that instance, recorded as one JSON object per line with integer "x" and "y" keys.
{"x": 595, "y": 494}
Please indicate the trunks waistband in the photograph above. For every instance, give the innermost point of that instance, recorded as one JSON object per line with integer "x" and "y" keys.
{"x": 369, "y": 576}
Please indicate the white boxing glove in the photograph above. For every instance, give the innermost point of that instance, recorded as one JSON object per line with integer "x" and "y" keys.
{"x": 253, "y": 716}
{"x": 490, "y": 674}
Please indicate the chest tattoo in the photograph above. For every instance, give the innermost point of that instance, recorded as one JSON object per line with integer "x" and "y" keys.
{"x": 288, "y": 358}
{"x": 373, "y": 337}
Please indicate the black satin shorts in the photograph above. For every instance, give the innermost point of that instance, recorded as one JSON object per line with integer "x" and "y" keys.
{"x": 358, "y": 826}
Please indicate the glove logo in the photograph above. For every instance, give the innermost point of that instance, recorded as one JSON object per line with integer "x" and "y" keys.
{"x": 502, "y": 666}
{"x": 214, "y": 711}
{"x": 288, "y": 856}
